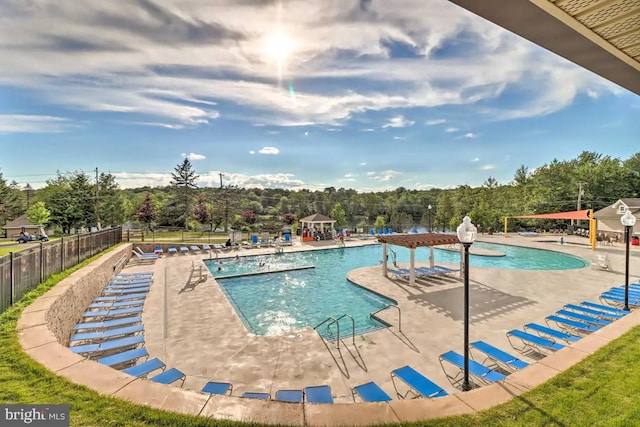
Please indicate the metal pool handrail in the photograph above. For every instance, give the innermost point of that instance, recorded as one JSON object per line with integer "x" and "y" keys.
{"x": 373, "y": 314}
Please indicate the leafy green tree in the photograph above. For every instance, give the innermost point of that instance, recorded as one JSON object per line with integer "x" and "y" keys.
{"x": 147, "y": 212}
{"x": 339, "y": 215}
{"x": 201, "y": 211}
{"x": 111, "y": 204}
{"x": 11, "y": 201}
{"x": 71, "y": 200}
{"x": 380, "y": 222}
{"x": 38, "y": 214}
{"x": 289, "y": 218}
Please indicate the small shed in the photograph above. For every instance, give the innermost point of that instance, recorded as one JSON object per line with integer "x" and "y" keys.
{"x": 413, "y": 241}
{"x": 317, "y": 227}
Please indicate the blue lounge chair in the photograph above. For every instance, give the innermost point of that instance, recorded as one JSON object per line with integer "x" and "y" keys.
{"x": 293, "y": 396}
{"x": 533, "y": 342}
{"x": 108, "y": 323}
{"x": 145, "y": 368}
{"x": 107, "y": 314}
{"x": 124, "y": 297}
{"x": 617, "y": 299}
{"x": 287, "y": 239}
{"x": 110, "y": 291}
{"x": 213, "y": 387}
{"x": 605, "y": 315}
{"x": 477, "y": 370}
{"x": 195, "y": 248}
{"x": 568, "y": 324}
{"x": 499, "y": 357}
{"x": 318, "y": 394}
{"x": 544, "y": 332}
{"x": 116, "y": 304}
{"x": 401, "y": 273}
{"x": 420, "y": 386}
{"x": 583, "y": 318}
{"x": 604, "y": 308}
{"x": 158, "y": 251}
{"x": 390, "y": 230}
{"x": 206, "y": 247}
{"x": 172, "y": 250}
{"x": 254, "y": 240}
{"x": 138, "y": 274}
{"x": 128, "y": 356}
{"x": 108, "y": 333}
{"x": 115, "y": 344}
{"x": 370, "y": 392}
{"x": 253, "y": 395}
{"x": 184, "y": 249}
{"x": 169, "y": 376}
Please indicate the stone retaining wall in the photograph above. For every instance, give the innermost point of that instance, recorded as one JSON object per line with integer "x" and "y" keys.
{"x": 80, "y": 288}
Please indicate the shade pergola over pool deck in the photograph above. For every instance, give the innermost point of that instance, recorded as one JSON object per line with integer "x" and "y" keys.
{"x": 413, "y": 241}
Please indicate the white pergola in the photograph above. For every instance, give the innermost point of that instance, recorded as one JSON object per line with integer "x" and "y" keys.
{"x": 413, "y": 241}
{"x": 318, "y": 220}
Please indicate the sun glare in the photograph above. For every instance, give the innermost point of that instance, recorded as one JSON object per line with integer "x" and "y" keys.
{"x": 278, "y": 45}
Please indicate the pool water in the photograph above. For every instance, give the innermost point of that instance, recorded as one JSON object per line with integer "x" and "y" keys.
{"x": 275, "y": 303}
{"x": 279, "y": 302}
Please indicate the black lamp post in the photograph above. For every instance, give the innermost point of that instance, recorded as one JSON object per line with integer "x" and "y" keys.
{"x": 467, "y": 233}
{"x": 628, "y": 220}
{"x": 429, "y": 209}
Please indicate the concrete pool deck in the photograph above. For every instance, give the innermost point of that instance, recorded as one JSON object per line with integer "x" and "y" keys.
{"x": 198, "y": 332}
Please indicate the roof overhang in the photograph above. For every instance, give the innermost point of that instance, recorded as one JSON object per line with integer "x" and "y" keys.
{"x": 413, "y": 241}
{"x": 602, "y": 36}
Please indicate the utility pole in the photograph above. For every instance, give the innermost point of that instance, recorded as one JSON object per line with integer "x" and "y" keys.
{"x": 580, "y": 194}
{"x": 97, "y": 201}
{"x": 226, "y": 203}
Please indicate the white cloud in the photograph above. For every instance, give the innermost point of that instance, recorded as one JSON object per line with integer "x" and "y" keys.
{"x": 269, "y": 150}
{"x": 24, "y": 123}
{"x": 399, "y": 138}
{"x": 306, "y": 133}
{"x": 384, "y": 176}
{"x": 435, "y": 122}
{"x": 252, "y": 152}
{"x": 362, "y": 164}
{"x": 592, "y": 94}
{"x": 398, "y": 122}
{"x": 487, "y": 167}
{"x": 450, "y": 130}
{"x": 113, "y": 57}
{"x": 194, "y": 156}
{"x": 470, "y": 135}
{"x": 475, "y": 159}
{"x": 367, "y": 130}
{"x": 350, "y": 175}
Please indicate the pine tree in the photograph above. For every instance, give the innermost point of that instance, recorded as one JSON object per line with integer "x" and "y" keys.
{"x": 183, "y": 182}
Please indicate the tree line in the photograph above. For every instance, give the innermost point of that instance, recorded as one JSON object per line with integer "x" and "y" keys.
{"x": 72, "y": 200}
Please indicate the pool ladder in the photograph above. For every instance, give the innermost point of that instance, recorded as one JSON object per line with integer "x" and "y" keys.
{"x": 331, "y": 320}
{"x": 373, "y": 314}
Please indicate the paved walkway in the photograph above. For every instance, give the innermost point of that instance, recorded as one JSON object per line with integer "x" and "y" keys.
{"x": 199, "y": 332}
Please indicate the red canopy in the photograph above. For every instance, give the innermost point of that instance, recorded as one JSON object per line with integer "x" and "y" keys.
{"x": 584, "y": 214}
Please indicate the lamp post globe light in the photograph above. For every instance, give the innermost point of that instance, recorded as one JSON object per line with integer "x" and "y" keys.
{"x": 429, "y": 209}
{"x": 628, "y": 220}
{"x": 467, "y": 233}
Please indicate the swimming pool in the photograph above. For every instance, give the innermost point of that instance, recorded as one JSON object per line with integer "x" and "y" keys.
{"x": 271, "y": 304}
{"x": 275, "y": 303}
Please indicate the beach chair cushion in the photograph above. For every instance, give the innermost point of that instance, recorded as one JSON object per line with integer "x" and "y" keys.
{"x": 145, "y": 368}
{"x": 498, "y": 355}
{"x": 253, "y": 395}
{"x": 124, "y": 357}
{"x": 318, "y": 394}
{"x": 217, "y": 388}
{"x": 169, "y": 376}
{"x": 294, "y": 396}
{"x": 371, "y": 392}
{"x": 420, "y": 384}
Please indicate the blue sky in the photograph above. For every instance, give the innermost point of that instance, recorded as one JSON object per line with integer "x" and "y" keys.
{"x": 295, "y": 94}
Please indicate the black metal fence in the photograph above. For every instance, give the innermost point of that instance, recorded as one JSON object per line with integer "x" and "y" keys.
{"x": 24, "y": 270}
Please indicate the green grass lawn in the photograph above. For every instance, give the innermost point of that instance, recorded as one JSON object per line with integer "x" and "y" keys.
{"x": 4, "y": 250}
{"x": 602, "y": 390}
